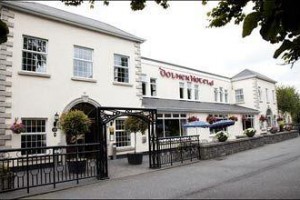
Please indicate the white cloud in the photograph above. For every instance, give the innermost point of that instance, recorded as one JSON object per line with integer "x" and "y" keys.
{"x": 179, "y": 35}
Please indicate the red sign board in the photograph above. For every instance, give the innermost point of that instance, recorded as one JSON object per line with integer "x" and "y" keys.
{"x": 184, "y": 77}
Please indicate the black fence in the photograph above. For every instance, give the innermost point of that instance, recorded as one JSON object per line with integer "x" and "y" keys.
{"x": 178, "y": 149}
{"x": 24, "y": 168}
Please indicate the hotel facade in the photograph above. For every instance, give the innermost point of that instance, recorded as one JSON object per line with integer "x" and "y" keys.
{"x": 56, "y": 61}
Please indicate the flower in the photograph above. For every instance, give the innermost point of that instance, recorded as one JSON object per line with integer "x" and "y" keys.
{"x": 17, "y": 127}
{"x": 262, "y": 118}
{"x": 222, "y": 136}
{"x": 192, "y": 119}
{"x": 234, "y": 118}
{"x": 211, "y": 119}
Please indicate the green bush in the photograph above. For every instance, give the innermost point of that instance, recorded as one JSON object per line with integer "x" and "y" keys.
{"x": 250, "y": 132}
{"x": 74, "y": 124}
{"x": 222, "y": 136}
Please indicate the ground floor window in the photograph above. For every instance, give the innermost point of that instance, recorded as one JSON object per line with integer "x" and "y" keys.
{"x": 34, "y": 135}
{"x": 171, "y": 124}
{"x": 122, "y": 136}
{"x": 248, "y": 121}
{"x": 218, "y": 117}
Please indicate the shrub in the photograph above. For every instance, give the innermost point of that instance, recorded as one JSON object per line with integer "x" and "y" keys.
{"x": 250, "y": 132}
{"x": 75, "y": 124}
{"x": 222, "y": 136}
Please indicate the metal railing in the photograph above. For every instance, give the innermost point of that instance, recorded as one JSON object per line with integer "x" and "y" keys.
{"x": 22, "y": 168}
{"x": 178, "y": 149}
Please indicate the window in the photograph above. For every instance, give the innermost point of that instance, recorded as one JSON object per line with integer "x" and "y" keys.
{"x": 34, "y": 135}
{"x": 83, "y": 62}
{"x": 189, "y": 90}
{"x": 196, "y": 91}
{"x": 121, "y": 69}
{"x": 181, "y": 90}
{"x": 34, "y": 54}
{"x": 248, "y": 121}
{"x": 226, "y": 96}
{"x": 239, "y": 96}
{"x": 169, "y": 124}
{"x": 144, "y": 84}
{"x": 273, "y": 96}
{"x": 259, "y": 93}
{"x": 216, "y": 94}
{"x": 267, "y": 95}
{"x": 122, "y": 136}
{"x": 153, "y": 87}
{"x": 221, "y": 94}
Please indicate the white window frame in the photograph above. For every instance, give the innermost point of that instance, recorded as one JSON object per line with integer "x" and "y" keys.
{"x": 153, "y": 87}
{"x": 181, "y": 90}
{"x": 216, "y": 94}
{"x": 36, "y": 134}
{"x": 189, "y": 90}
{"x": 196, "y": 92}
{"x": 226, "y": 96}
{"x": 267, "y": 95}
{"x": 43, "y": 69}
{"x": 144, "y": 84}
{"x": 83, "y": 73}
{"x": 221, "y": 94}
{"x": 118, "y": 66}
{"x": 239, "y": 96}
{"x": 126, "y": 134}
{"x": 259, "y": 93}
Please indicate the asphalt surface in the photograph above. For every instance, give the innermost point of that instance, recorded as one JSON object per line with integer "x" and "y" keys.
{"x": 268, "y": 172}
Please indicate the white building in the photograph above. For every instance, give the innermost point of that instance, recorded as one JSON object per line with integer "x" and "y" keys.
{"x": 55, "y": 61}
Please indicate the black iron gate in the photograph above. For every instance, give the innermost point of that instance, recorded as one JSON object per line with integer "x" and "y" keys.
{"x": 107, "y": 114}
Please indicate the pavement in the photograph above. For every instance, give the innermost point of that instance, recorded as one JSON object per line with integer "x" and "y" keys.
{"x": 268, "y": 172}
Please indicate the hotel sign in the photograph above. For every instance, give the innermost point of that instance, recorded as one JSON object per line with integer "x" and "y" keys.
{"x": 184, "y": 77}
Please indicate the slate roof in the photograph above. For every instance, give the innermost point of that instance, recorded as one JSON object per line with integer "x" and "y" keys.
{"x": 251, "y": 74}
{"x": 191, "y": 106}
{"x": 69, "y": 18}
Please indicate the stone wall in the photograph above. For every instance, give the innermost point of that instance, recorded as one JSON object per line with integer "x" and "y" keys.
{"x": 7, "y": 16}
{"x": 217, "y": 149}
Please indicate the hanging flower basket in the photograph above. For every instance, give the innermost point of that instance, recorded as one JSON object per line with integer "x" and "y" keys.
{"x": 234, "y": 118}
{"x": 262, "y": 118}
{"x": 192, "y": 119}
{"x": 17, "y": 127}
{"x": 211, "y": 119}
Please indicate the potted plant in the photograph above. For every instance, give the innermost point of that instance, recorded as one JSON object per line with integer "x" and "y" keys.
{"x": 281, "y": 125}
{"x": 7, "y": 178}
{"x": 134, "y": 125}
{"x": 17, "y": 127}
{"x": 222, "y": 136}
{"x": 75, "y": 124}
{"x": 192, "y": 119}
{"x": 250, "y": 132}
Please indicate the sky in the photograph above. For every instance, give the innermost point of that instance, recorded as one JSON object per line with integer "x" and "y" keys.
{"x": 179, "y": 35}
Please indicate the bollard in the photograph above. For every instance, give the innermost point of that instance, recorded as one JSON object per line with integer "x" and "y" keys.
{"x": 114, "y": 151}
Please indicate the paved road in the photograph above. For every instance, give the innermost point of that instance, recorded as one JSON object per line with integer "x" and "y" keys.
{"x": 268, "y": 172}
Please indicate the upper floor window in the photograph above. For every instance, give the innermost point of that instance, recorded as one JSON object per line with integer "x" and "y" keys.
{"x": 221, "y": 94}
{"x": 144, "y": 84}
{"x": 189, "y": 90}
{"x": 34, "y": 54}
{"x": 196, "y": 91}
{"x": 83, "y": 62}
{"x": 273, "y": 96}
{"x": 153, "y": 86}
{"x": 181, "y": 90}
{"x": 34, "y": 135}
{"x": 239, "y": 96}
{"x": 267, "y": 95}
{"x": 121, "y": 72}
{"x": 226, "y": 96}
{"x": 259, "y": 93}
{"x": 216, "y": 94}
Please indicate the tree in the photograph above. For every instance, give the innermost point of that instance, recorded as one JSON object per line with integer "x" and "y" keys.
{"x": 277, "y": 19}
{"x": 288, "y": 100}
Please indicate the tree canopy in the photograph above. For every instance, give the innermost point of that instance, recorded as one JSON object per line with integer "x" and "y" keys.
{"x": 277, "y": 20}
{"x": 288, "y": 100}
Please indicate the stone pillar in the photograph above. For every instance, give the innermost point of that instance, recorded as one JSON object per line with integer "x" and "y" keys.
{"x": 138, "y": 70}
{"x": 5, "y": 79}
